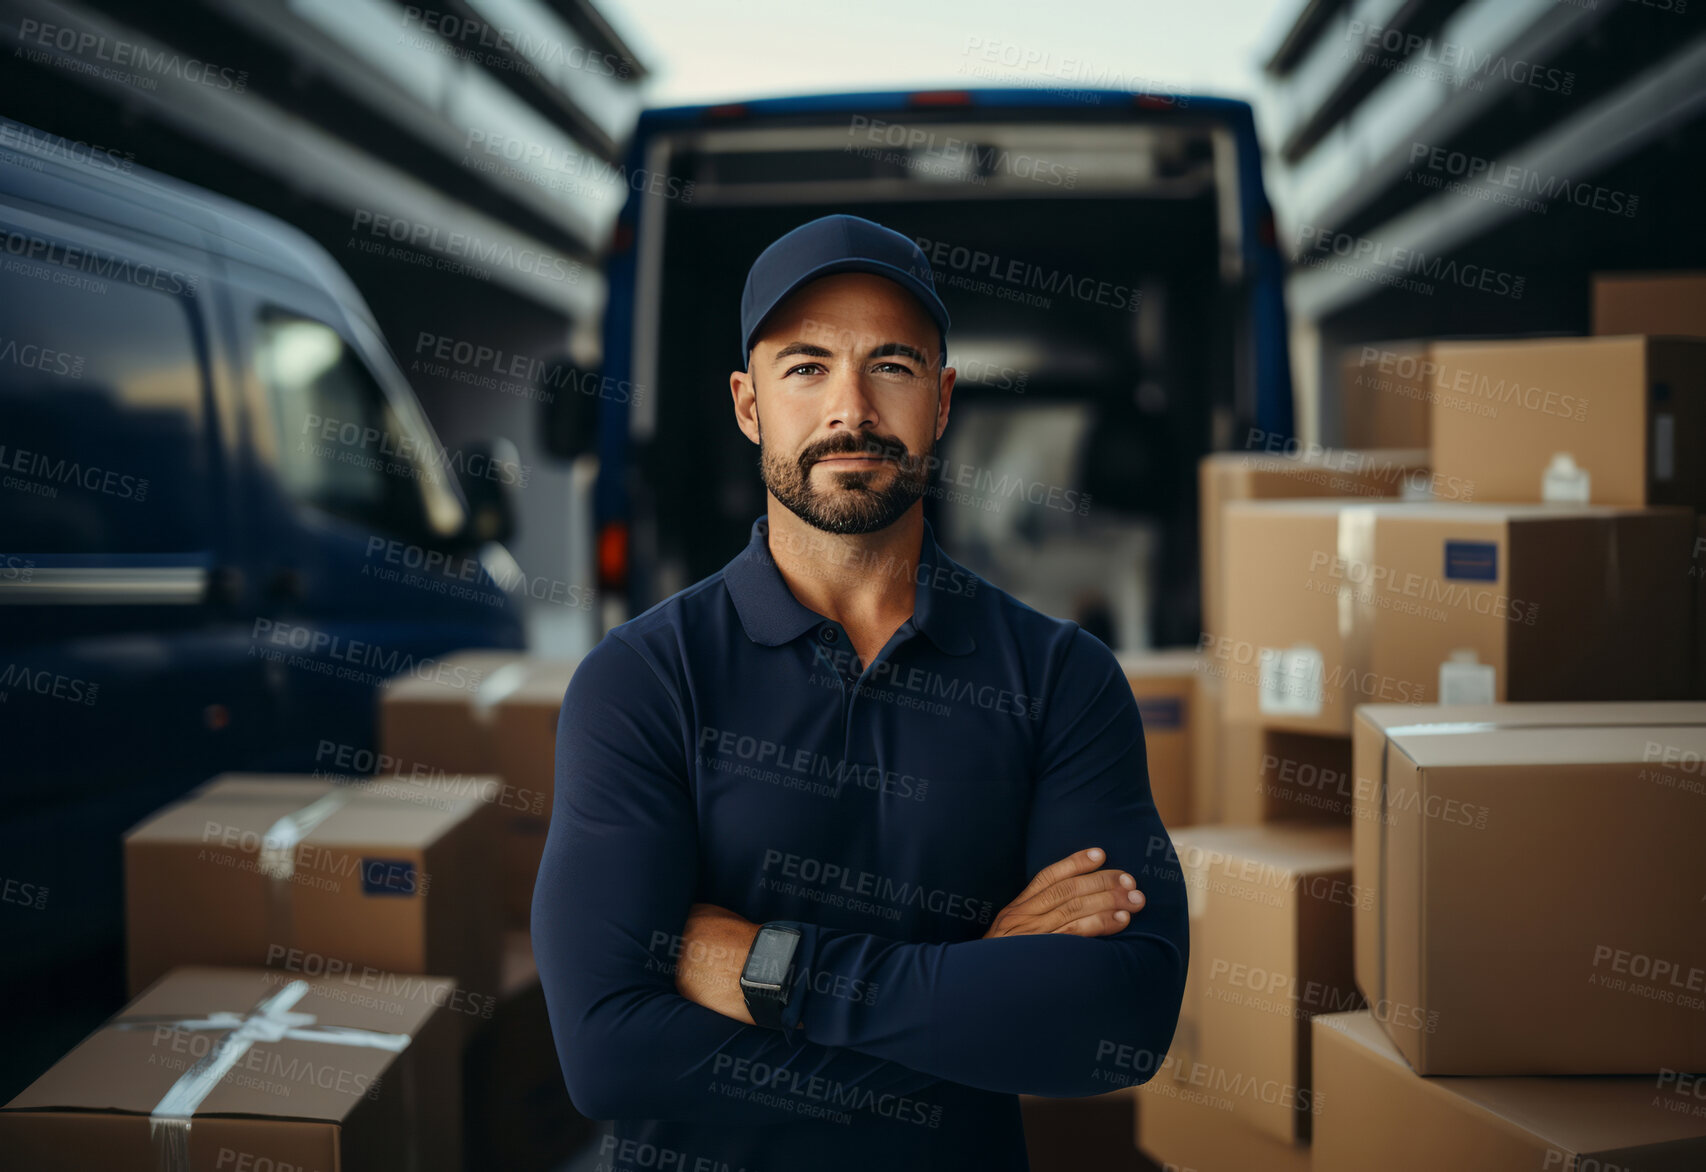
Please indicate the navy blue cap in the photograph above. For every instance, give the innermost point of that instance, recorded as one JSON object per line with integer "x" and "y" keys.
{"x": 834, "y": 244}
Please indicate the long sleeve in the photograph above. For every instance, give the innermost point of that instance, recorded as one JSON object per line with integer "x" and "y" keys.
{"x": 613, "y": 892}
{"x": 1050, "y": 1014}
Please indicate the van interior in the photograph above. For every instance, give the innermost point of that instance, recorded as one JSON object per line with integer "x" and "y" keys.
{"x": 1095, "y": 353}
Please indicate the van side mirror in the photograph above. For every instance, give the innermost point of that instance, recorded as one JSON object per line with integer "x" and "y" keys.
{"x": 488, "y": 470}
{"x": 569, "y": 401}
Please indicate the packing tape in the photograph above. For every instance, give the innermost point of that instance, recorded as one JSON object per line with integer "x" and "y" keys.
{"x": 272, "y": 1020}
{"x": 278, "y": 855}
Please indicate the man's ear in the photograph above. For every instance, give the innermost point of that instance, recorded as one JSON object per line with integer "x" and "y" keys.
{"x": 744, "y": 393}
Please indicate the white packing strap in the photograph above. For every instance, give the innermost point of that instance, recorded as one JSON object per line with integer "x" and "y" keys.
{"x": 270, "y": 1021}
{"x": 278, "y": 845}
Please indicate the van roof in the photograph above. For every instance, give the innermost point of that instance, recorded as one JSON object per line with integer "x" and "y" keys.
{"x": 184, "y": 215}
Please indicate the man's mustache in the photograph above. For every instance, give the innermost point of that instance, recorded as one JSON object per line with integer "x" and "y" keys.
{"x": 880, "y": 447}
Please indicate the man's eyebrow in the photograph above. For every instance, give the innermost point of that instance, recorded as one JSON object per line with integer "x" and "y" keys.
{"x": 886, "y": 350}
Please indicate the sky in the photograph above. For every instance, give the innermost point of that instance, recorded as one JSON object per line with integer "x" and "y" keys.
{"x": 704, "y": 50}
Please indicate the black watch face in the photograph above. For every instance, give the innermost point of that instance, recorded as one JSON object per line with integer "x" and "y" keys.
{"x": 767, "y": 963}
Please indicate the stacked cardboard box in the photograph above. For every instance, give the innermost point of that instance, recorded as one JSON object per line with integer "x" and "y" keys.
{"x": 389, "y": 876}
{"x": 506, "y": 726}
{"x": 1379, "y": 1113}
{"x": 1650, "y": 303}
{"x": 1585, "y": 961}
{"x": 1383, "y": 394}
{"x": 1270, "y": 910}
{"x": 251, "y": 1068}
{"x": 1176, "y": 701}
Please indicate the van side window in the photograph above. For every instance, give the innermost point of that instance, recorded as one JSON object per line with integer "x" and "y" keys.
{"x": 342, "y": 447}
{"x": 103, "y": 410}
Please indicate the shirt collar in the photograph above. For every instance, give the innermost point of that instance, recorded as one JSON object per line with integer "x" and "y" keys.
{"x": 773, "y": 616}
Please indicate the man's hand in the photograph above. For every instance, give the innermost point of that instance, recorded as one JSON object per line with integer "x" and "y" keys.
{"x": 1073, "y": 898}
{"x": 714, "y": 945}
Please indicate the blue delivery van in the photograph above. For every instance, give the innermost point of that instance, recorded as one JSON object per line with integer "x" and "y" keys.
{"x": 224, "y": 521}
{"x": 1110, "y": 265}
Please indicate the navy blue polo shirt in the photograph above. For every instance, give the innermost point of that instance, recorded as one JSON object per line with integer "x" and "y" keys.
{"x": 727, "y": 747}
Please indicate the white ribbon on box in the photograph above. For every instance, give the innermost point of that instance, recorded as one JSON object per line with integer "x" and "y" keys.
{"x": 270, "y": 1021}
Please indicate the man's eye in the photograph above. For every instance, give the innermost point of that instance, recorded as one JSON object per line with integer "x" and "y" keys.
{"x": 895, "y": 367}
{"x": 802, "y": 366}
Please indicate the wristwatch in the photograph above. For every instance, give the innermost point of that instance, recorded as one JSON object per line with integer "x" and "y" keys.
{"x": 767, "y": 977}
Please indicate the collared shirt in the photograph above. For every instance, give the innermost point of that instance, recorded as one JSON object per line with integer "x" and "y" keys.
{"x": 727, "y": 747}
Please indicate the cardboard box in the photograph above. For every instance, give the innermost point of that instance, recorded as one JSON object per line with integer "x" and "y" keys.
{"x": 1243, "y": 476}
{"x": 1650, "y": 303}
{"x": 365, "y": 1078}
{"x": 1630, "y": 410}
{"x": 1339, "y": 603}
{"x": 518, "y": 1115}
{"x": 443, "y": 722}
{"x": 524, "y": 738}
{"x": 1165, "y": 685}
{"x": 388, "y": 876}
{"x": 1186, "y": 1126}
{"x": 1378, "y": 1113}
{"x": 1272, "y": 775}
{"x": 1274, "y": 949}
{"x": 1383, "y": 394}
{"x": 1537, "y": 881}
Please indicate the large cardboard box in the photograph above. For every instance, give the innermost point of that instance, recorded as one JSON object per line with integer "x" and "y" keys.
{"x": 389, "y": 876}
{"x": 1166, "y": 685}
{"x": 1183, "y": 1123}
{"x": 1383, "y": 394}
{"x": 1274, "y": 775}
{"x": 1274, "y": 950}
{"x": 518, "y": 1115}
{"x": 1378, "y": 1113}
{"x": 444, "y": 722}
{"x": 1339, "y": 603}
{"x": 216, "y": 1068}
{"x": 1537, "y": 881}
{"x": 1630, "y": 410}
{"x": 524, "y": 739}
{"x": 1650, "y": 303}
{"x": 1243, "y": 476}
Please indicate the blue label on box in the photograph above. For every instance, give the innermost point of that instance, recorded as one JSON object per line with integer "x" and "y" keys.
{"x": 388, "y": 877}
{"x": 1473, "y": 561}
{"x": 1162, "y": 712}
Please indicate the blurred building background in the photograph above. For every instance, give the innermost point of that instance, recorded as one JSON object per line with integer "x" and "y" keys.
{"x": 1515, "y": 144}
{"x": 446, "y": 133}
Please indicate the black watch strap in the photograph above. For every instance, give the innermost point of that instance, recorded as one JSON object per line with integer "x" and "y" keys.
{"x": 767, "y": 978}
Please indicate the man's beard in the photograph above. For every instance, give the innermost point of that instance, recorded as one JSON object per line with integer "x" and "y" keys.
{"x": 851, "y": 505}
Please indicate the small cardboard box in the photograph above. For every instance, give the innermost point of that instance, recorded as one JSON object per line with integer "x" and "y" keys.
{"x": 443, "y": 723}
{"x": 1274, "y": 949}
{"x": 524, "y": 738}
{"x": 227, "y": 1068}
{"x": 1274, "y": 775}
{"x": 518, "y": 1114}
{"x": 1225, "y": 477}
{"x": 1165, "y": 685}
{"x": 1629, "y": 410}
{"x": 1383, "y": 394}
{"x": 1338, "y": 603}
{"x": 1378, "y": 1113}
{"x": 1536, "y": 883}
{"x": 387, "y": 876}
{"x": 1650, "y": 303}
{"x": 1183, "y": 1123}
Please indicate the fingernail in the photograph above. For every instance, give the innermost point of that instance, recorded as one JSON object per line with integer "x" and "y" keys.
{"x": 1127, "y": 881}
{"x": 1135, "y": 897}
{"x": 1096, "y": 855}
{"x": 1122, "y": 917}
